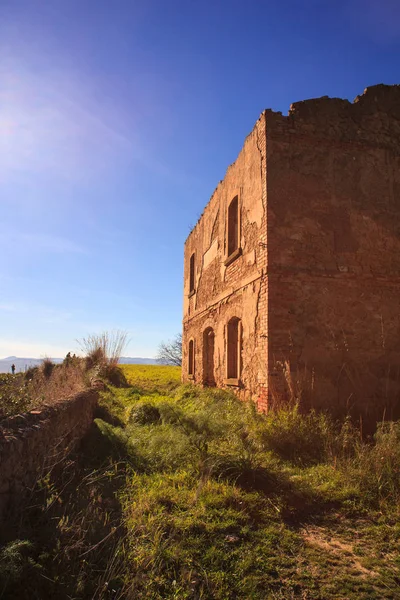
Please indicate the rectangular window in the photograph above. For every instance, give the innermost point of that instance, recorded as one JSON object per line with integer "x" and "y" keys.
{"x": 191, "y": 274}
{"x": 233, "y": 248}
{"x": 233, "y": 226}
{"x": 191, "y": 358}
{"x": 233, "y": 349}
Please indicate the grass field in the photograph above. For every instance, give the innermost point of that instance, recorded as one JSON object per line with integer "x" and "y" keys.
{"x": 154, "y": 378}
{"x": 188, "y": 493}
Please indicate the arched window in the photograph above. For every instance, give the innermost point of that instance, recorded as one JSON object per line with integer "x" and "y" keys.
{"x": 191, "y": 358}
{"x": 191, "y": 274}
{"x": 233, "y": 348}
{"x": 233, "y": 226}
{"x": 208, "y": 357}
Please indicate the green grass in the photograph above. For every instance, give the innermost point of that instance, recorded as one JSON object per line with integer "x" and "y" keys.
{"x": 156, "y": 379}
{"x": 187, "y": 493}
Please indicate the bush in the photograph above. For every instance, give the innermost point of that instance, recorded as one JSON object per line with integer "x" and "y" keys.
{"x": 145, "y": 414}
{"x": 114, "y": 375}
{"x": 103, "y": 349}
{"x": 15, "y": 562}
{"x": 378, "y": 466}
{"x": 302, "y": 439}
{"x": 15, "y": 395}
{"x": 47, "y": 367}
{"x": 102, "y": 355}
{"x": 30, "y": 373}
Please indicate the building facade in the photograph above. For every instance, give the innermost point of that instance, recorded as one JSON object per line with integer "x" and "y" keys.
{"x": 292, "y": 274}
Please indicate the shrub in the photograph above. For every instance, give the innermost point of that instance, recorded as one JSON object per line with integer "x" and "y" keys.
{"x": 299, "y": 438}
{"x": 103, "y": 349}
{"x": 15, "y": 396}
{"x": 71, "y": 360}
{"x": 346, "y": 441}
{"x": 47, "y": 367}
{"x": 145, "y": 414}
{"x": 114, "y": 375}
{"x": 378, "y": 466}
{"x": 30, "y": 373}
{"x": 103, "y": 352}
{"x": 14, "y": 562}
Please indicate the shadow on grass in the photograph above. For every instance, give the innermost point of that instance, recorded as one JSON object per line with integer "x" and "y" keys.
{"x": 296, "y": 502}
{"x": 104, "y": 413}
{"x": 68, "y": 541}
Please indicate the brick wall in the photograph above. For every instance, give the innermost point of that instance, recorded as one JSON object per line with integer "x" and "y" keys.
{"x": 317, "y": 286}
{"x": 32, "y": 443}
{"x": 333, "y": 186}
{"x": 237, "y": 289}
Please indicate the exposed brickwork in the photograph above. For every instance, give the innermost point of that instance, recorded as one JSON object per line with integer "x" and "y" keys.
{"x": 318, "y": 283}
{"x": 32, "y": 443}
{"x": 237, "y": 289}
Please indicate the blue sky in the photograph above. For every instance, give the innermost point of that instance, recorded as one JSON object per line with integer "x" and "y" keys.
{"x": 118, "y": 119}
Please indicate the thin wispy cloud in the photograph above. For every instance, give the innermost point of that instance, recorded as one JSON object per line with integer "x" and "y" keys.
{"x": 53, "y": 123}
{"x": 45, "y": 131}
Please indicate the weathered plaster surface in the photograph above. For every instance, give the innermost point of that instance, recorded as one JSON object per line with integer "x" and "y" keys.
{"x": 229, "y": 291}
{"x": 317, "y": 285}
{"x": 334, "y": 250}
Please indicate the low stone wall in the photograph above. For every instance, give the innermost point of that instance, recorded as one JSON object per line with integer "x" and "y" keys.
{"x": 33, "y": 443}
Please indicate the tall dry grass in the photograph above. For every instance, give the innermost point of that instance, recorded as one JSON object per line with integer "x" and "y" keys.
{"x": 104, "y": 349}
{"x": 53, "y": 384}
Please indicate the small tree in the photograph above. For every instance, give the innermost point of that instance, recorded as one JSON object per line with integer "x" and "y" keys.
{"x": 170, "y": 352}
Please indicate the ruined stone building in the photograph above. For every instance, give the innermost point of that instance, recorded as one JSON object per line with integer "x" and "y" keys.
{"x": 292, "y": 274}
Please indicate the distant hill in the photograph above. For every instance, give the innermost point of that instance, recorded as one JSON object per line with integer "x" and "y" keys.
{"x": 128, "y": 360}
{"x": 21, "y": 364}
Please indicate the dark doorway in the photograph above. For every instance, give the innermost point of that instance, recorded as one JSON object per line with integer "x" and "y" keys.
{"x": 208, "y": 357}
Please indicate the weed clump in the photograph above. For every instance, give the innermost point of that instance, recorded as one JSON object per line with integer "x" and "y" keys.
{"x": 30, "y": 373}
{"x": 47, "y": 367}
{"x": 375, "y": 468}
{"x": 14, "y": 562}
{"x": 145, "y": 413}
{"x": 102, "y": 354}
{"x": 302, "y": 439}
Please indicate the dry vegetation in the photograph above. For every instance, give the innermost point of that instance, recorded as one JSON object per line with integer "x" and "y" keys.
{"x": 46, "y": 384}
{"x": 188, "y": 493}
{"x": 50, "y": 383}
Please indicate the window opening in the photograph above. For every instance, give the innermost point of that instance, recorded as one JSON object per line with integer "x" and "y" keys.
{"x": 208, "y": 357}
{"x": 191, "y": 358}
{"x": 233, "y": 358}
{"x": 233, "y": 226}
{"x": 191, "y": 276}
